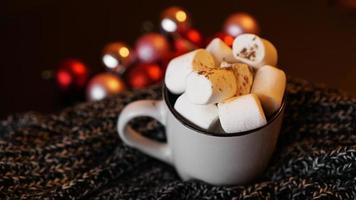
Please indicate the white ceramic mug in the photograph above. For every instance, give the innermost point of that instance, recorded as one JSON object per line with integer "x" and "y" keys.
{"x": 215, "y": 158}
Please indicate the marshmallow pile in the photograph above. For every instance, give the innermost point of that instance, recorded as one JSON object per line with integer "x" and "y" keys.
{"x": 235, "y": 87}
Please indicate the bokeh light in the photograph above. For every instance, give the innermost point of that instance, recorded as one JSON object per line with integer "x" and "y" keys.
{"x": 181, "y": 16}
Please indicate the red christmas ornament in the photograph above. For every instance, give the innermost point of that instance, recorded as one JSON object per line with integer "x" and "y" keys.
{"x": 71, "y": 74}
{"x": 137, "y": 77}
{"x": 117, "y": 57}
{"x": 104, "y": 85}
{"x": 144, "y": 75}
{"x": 175, "y": 20}
{"x": 155, "y": 72}
{"x": 241, "y": 23}
{"x": 182, "y": 46}
{"x": 152, "y": 47}
{"x": 195, "y": 37}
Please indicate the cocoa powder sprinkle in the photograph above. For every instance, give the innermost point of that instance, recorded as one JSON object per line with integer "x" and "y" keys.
{"x": 249, "y": 53}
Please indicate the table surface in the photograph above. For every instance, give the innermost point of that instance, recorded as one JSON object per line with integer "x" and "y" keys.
{"x": 316, "y": 39}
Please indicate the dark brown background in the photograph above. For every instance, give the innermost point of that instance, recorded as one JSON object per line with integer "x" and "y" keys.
{"x": 315, "y": 38}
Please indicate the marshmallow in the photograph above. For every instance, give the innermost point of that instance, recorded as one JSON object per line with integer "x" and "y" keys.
{"x": 220, "y": 51}
{"x": 254, "y": 51}
{"x": 210, "y": 86}
{"x": 244, "y": 78}
{"x": 269, "y": 86}
{"x": 179, "y": 68}
{"x": 241, "y": 113}
{"x": 203, "y": 116}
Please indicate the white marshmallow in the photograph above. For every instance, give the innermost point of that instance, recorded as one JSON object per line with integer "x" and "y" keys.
{"x": 244, "y": 78}
{"x": 210, "y": 86}
{"x": 203, "y": 116}
{"x": 269, "y": 85}
{"x": 179, "y": 68}
{"x": 241, "y": 113}
{"x": 220, "y": 51}
{"x": 254, "y": 51}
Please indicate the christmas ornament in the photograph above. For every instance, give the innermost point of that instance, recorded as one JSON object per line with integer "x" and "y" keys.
{"x": 154, "y": 72}
{"x": 182, "y": 46}
{"x": 175, "y": 20}
{"x": 117, "y": 57}
{"x": 137, "y": 78}
{"x": 71, "y": 74}
{"x": 152, "y": 47}
{"x": 144, "y": 75}
{"x": 104, "y": 85}
{"x": 194, "y": 36}
{"x": 239, "y": 23}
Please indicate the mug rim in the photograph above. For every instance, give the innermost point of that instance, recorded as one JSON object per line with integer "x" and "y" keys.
{"x": 190, "y": 125}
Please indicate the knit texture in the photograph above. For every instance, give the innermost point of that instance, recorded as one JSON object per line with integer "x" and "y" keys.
{"x": 77, "y": 153}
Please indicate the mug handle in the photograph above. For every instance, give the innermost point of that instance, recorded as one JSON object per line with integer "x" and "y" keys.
{"x": 141, "y": 108}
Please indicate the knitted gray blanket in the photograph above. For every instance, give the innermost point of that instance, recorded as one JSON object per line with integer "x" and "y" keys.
{"x": 77, "y": 154}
